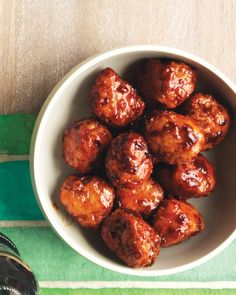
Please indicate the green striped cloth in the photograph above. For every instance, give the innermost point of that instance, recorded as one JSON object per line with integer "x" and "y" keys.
{"x": 58, "y": 268}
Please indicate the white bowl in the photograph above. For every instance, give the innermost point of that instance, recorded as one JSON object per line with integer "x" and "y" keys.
{"x": 69, "y": 101}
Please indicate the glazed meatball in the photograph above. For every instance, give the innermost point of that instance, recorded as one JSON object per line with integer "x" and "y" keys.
{"x": 132, "y": 239}
{"x": 114, "y": 100}
{"x": 128, "y": 161}
{"x": 196, "y": 179}
{"x": 176, "y": 221}
{"x": 143, "y": 198}
{"x": 88, "y": 199}
{"x": 84, "y": 144}
{"x": 168, "y": 83}
{"x": 172, "y": 137}
{"x": 211, "y": 116}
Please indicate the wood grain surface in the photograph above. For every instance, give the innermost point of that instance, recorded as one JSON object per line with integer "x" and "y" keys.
{"x": 41, "y": 40}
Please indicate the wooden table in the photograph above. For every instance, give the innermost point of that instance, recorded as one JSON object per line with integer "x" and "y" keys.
{"x": 41, "y": 40}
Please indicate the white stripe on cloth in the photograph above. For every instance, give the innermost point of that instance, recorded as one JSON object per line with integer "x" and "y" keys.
{"x": 138, "y": 285}
{"x": 12, "y": 158}
{"x": 24, "y": 223}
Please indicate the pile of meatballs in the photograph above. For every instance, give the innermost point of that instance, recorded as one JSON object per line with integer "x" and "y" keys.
{"x": 138, "y": 159}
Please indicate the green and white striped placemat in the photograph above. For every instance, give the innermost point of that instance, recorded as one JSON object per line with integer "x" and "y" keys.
{"x": 58, "y": 268}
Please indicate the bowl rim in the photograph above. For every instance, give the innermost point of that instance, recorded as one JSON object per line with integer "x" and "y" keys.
{"x": 37, "y": 133}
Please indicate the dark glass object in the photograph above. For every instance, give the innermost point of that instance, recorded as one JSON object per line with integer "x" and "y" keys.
{"x": 16, "y": 278}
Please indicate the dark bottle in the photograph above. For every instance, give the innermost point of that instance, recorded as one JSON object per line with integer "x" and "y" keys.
{"x": 16, "y": 278}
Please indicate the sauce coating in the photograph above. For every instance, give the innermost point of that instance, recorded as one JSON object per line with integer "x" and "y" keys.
{"x": 128, "y": 161}
{"x": 88, "y": 199}
{"x": 114, "y": 100}
{"x": 84, "y": 144}
{"x": 168, "y": 83}
{"x": 132, "y": 239}
{"x": 176, "y": 221}
{"x": 196, "y": 179}
{"x": 143, "y": 198}
{"x": 211, "y": 116}
{"x": 172, "y": 137}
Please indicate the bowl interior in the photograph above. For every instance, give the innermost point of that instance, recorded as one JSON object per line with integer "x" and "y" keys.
{"x": 70, "y": 102}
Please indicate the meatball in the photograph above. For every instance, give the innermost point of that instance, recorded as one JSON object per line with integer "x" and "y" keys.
{"x": 132, "y": 239}
{"x": 143, "y": 198}
{"x": 211, "y": 116}
{"x": 196, "y": 179}
{"x": 172, "y": 137}
{"x": 114, "y": 100}
{"x": 128, "y": 161}
{"x": 176, "y": 221}
{"x": 84, "y": 144}
{"x": 88, "y": 199}
{"x": 168, "y": 83}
